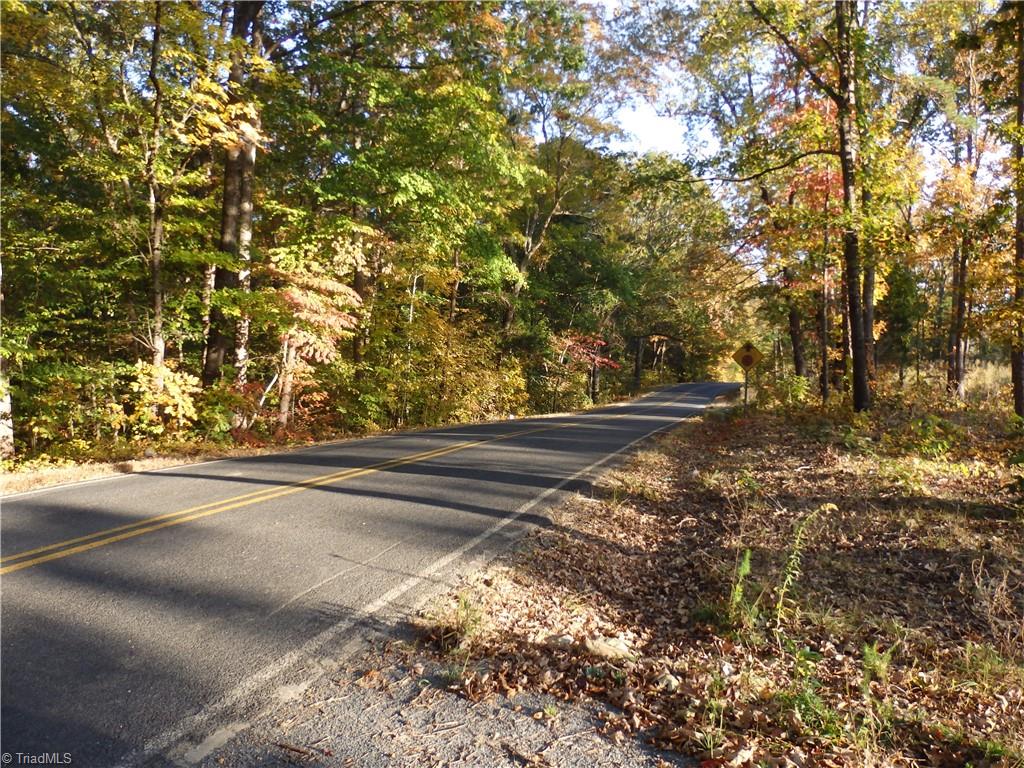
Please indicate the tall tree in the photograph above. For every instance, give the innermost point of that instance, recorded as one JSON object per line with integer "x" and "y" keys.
{"x": 236, "y": 207}
{"x": 1017, "y": 349}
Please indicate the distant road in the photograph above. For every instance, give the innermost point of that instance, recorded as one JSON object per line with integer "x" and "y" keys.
{"x": 144, "y": 612}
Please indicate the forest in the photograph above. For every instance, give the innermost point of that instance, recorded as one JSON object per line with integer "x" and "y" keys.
{"x": 244, "y": 222}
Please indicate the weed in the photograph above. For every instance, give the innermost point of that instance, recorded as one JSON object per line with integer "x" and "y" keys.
{"x": 594, "y": 673}
{"x": 707, "y": 613}
{"x": 875, "y": 666}
{"x": 802, "y": 696}
{"x": 931, "y": 436}
{"x": 736, "y": 596}
{"x": 456, "y": 629}
{"x": 451, "y": 674}
{"x": 982, "y": 664}
{"x": 791, "y": 572}
{"x": 995, "y": 601}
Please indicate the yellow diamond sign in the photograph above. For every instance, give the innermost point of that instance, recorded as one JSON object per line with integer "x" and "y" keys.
{"x": 747, "y": 356}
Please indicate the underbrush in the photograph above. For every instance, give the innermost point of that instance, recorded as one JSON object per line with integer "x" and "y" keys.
{"x": 800, "y": 587}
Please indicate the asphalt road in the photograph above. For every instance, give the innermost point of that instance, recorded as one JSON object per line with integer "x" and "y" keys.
{"x": 144, "y": 617}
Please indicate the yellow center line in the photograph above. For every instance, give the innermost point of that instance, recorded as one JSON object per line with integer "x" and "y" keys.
{"x": 251, "y": 496}
{"x": 102, "y": 538}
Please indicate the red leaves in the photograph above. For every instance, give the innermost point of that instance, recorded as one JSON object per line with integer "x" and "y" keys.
{"x": 582, "y": 348}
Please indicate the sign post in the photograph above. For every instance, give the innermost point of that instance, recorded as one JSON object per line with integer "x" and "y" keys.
{"x": 747, "y": 357}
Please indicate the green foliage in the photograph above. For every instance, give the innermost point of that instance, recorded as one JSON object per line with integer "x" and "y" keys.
{"x": 930, "y": 436}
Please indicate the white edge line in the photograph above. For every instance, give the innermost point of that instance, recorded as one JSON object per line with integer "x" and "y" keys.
{"x": 256, "y": 681}
{"x": 326, "y": 444}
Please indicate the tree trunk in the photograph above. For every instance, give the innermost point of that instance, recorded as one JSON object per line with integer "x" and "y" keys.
{"x": 823, "y": 344}
{"x": 245, "y": 259}
{"x": 1017, "y": 347}
{"x": 851, "y": 244}
{"x": 796, "y": 338}
{"x": 638, "y": 364}
{"x": 824, "y": 327}
{"x": 156, "y": 205}
{"x": 219, "y": 339}
{"x": 841, "y": 376}
{"x": 870, "y": 348}
{"x": 453, "y": 298}
{"x": 284, "y": 407}
{"x": 209, "y": 279}
{"x": 6, "y": 406}
{"x": 956, "y": 366}
{"x": 359, "y": 285}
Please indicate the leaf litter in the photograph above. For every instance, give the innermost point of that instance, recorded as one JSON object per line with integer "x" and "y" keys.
{"x": 760, "y": 590}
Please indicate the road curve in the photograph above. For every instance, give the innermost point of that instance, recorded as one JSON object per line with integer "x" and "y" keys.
{"x": 142, "y": 612}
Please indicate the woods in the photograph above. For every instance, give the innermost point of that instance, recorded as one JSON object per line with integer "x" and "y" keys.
{"x": 236, "y": 222}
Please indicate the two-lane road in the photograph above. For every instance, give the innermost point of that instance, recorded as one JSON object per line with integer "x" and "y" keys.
{"x": 143, "y": 611}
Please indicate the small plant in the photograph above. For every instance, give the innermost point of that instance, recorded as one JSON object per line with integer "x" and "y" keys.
{"x": 853, "y": 439}
{"x": 1016, "y": 463}
{"x": 736, "y": 595}
{"x": 931, "y": 436}
{"x": 802, "y": 697}
{"x": 984, "y": 665}
{"x": 456, "y": 629}
{"x": 792, "y": 571}
{"x": 451, "y": 674}
{"x": 793, "y": 390}
{"x": 594, "y": 673}
{"x": 875, "y": 666}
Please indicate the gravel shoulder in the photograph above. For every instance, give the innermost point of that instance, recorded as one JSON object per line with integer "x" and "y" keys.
{"x": 389, "y": 707}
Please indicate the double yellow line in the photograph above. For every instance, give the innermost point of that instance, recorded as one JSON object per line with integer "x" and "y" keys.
{"x": 31, "y": 557}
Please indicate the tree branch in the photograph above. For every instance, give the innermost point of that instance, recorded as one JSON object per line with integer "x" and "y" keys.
{"x": 763, "y": 172}
{"x": 817, "y": 79}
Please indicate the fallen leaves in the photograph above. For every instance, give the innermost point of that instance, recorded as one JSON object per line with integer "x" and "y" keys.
{"x": 630, "y": 598}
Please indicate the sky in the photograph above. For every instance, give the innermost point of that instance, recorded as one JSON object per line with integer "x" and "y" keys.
{"x": 649, "y": 132}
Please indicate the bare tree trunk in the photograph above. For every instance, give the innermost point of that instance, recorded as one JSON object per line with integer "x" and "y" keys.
{"x": 245, "y": 210}
{"x": 6, "y": 406}
{"x": 156, "y": 205}
{"x": 870, "y": 349}
{"x": 209, "y": 278}
{"x": 851, "y": 244}
{"x": 824, "y": 328}
{"x": 508, "y": 316}
{"x": 284, "y": 407}
{"x": 453, "y": 298}
{"x": 824, "y": 333}
{"x": 956, "y": 364}
{"x": 245, "y": 259}
{"x": 359, "y": 285}
{"x": 1017, "y": 346}
{"x": 796, "y": 333}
